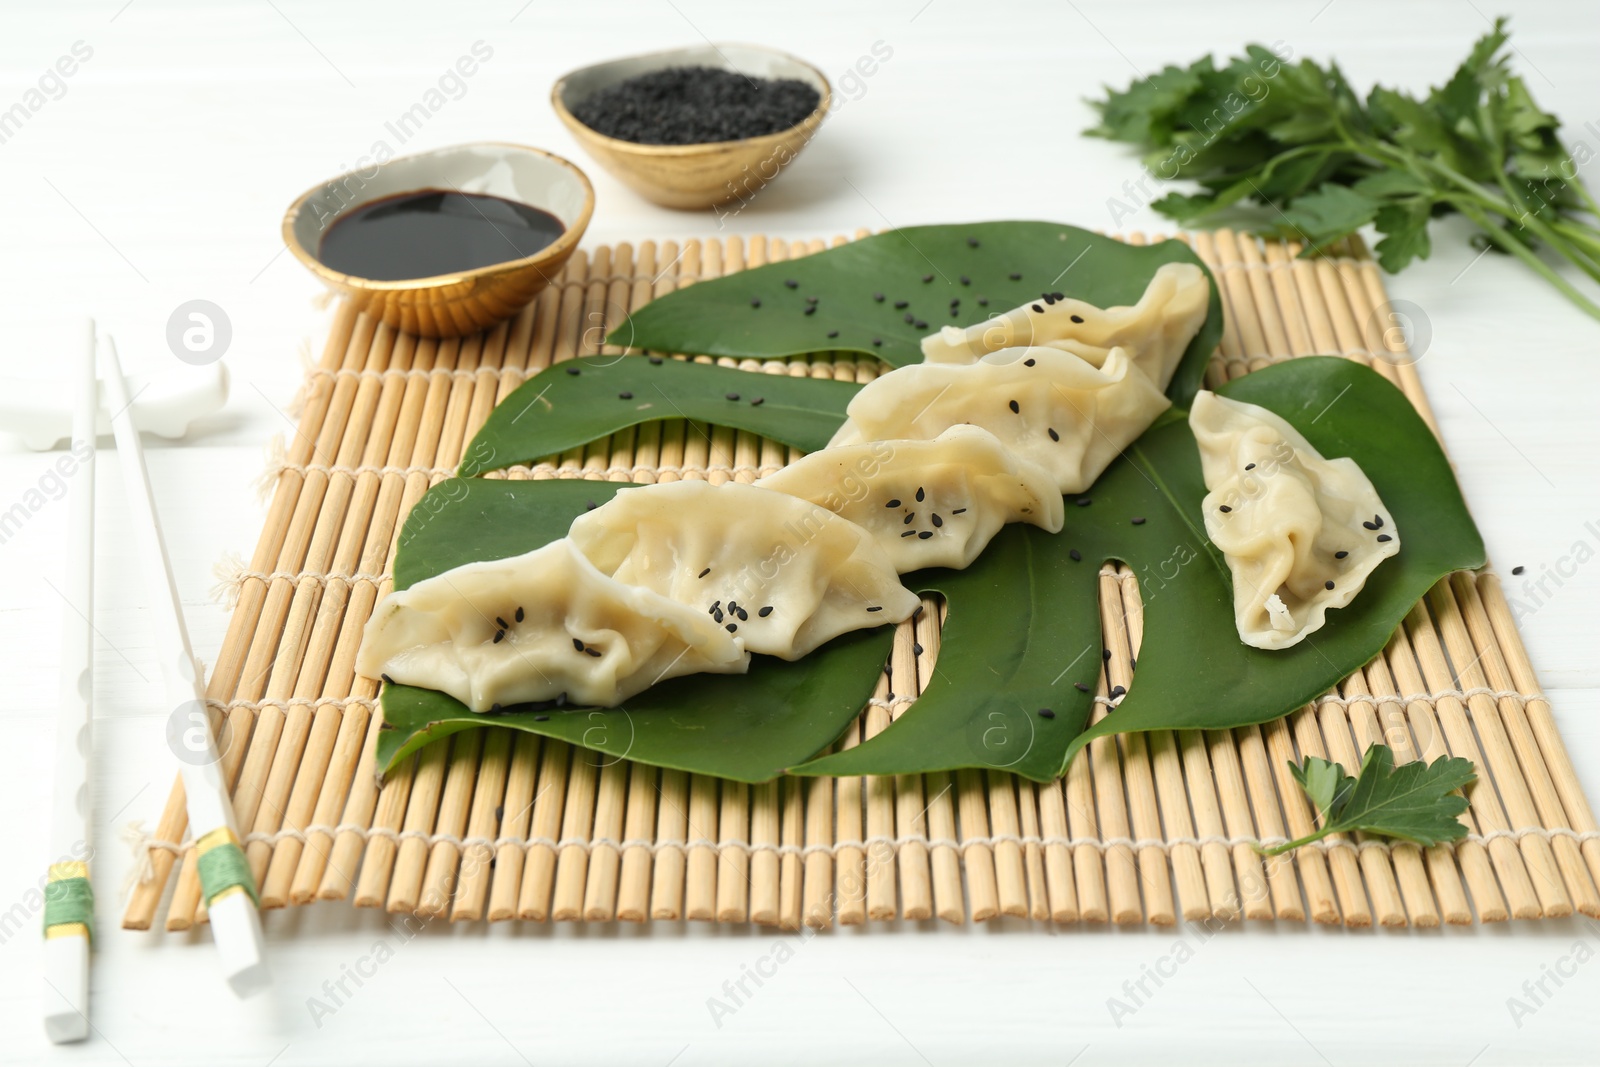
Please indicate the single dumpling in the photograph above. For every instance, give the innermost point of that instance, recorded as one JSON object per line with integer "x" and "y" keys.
{"x": 543, "y": 626}
{"x": 779, "y": 574}
{"x": 929, "y": 503}
{"x": 1301, "y": 533}
{"x": 1047, "y": 406}
{"x": 1155, "y": 331}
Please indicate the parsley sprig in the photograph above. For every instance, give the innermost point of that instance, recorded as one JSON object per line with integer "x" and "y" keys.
{"x": 1415, "y": 802}
{"x": 1298, "y": 139}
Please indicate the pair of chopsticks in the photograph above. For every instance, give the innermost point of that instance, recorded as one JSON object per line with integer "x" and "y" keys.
{"x": 226, "y": 883}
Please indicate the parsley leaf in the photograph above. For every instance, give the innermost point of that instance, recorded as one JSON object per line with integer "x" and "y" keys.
{"x": 1322, "y": 162}
{"x": 1415, "y": 802}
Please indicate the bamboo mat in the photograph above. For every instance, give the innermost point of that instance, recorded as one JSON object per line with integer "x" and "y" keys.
{"x": 1143, "y": 828}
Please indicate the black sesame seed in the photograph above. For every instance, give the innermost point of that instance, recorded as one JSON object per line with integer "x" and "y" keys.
{"x": 909, "y": 533}
{"x": 1080, "y": 687}
{"x": 811, "y": 300}
{"x": 877, "y": 342}
{"x": 764, "y": 612}
{"x": 1377, "y": 520}
{"x": 501, "y": 623}
{"x": 703, "y": 573}
{"x": 937, "y": 521}
{"x": 972, "y": 242}
{"x": 901, "y": 305}
{"x": 1037, "y": 308}
{"x": 386, "y": 679}
{"x": 910, "y": 318}
{"x": 921, "y": 494}
{"x": 656, "y": 361}
{"x": 1518, "y": 570}
{"x": 965, "y": 280}
{"x": 878, "y": 297}
{"x": 959, "y": 511}
{"x": 541, "y": 718}
{"x": 916, "y": 648}
{"x": 1016, "y": 409}
{"x": 876, "y": 607}
{"x": 983, "y": 301}
{"x": 954, "y": 311}
{"x": 574, "y": 371}
{"x": 624, "y": 395}
{"x": 908, "y": 519}
{"x": 744, "y": 616}
{"x": 1046, "y": 713}
{"x": 733, "y": 606}
{"x": 733, "y": 396}
{"x": 494, "y": 709}
{"x": 499, "y": 635}
{"x": 1370, "y": 525}
{"x": 1117, "y": 691}
{"x": 1328, "y": 584}
{"x": 717, "y": 615}
{"x": 833, "y": 333}
{"x": 791, "y": 283}
{"x": 1077, "y": 557}
{"x": 1059, "y": 296}
{"x": 1077, "y": 318}
{"x": 732, "y": 627}
{"x": 1029, "y": 362}
{"x": 1249, "y": 466}
{"x": 758, "y": 401}
{"x": 1385, "y": 537}
{"x": 919, "y": 324}
{"x": 519, "y": 616}
{"x": 1053, "y": 435}
{"x": 577, "y": 644}
{"x": 1340, "y": 554}
{"x": 925, "y": 534}
{"x": 811, "y": 309}
{"x": 755, "y": 301}
{"x": 715, "y": 604}
{"x": 1105, "y": 655}
{"x": 1015, "y": 276}
{"x": 589, "y": 505}
{"x": 926, "y": 278}
{"x": 595, "y": 652}
{"x": 1224, "y": 509}
{"x": 1084, "y": 501}
{"x": 1137, "y": 520}
{"x": 893, "y": 503}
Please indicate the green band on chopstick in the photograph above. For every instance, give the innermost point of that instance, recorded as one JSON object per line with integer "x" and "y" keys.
{"x": 68, "y": 902}
{"x": 223, "y": 867}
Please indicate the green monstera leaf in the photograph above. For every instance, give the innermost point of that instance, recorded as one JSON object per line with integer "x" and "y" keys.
{"x": 1031, "y": 627}
{"x": 1023, "y": 622}
{"x": 917, "y": 272}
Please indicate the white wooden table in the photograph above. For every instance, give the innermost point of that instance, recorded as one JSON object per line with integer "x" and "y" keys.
{"x": 157, "y": 173}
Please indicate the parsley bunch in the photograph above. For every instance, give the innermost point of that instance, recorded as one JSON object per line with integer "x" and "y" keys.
{"x": 1298, "y": 139}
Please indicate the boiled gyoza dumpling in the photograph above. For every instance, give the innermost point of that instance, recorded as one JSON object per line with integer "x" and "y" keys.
{"x": 1300, "y": 533}
{"x": 1155, "y": 331}
{"x": 1047, "y": 406}
{"x": 546, "y": 625}
{"x": 929, "y": 503}
{"x": 780, "y": 574}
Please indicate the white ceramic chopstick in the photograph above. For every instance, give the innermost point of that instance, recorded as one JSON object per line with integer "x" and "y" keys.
{"x": 226, "y": 884}
{"x": 69, "y": 903}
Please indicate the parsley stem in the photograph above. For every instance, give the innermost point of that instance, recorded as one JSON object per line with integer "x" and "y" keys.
{"x": 1299, "y": 842}
{"x": 1510, "y": 244}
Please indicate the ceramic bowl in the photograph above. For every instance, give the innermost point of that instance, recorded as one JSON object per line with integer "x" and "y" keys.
{"x": 695, "y": 175}
{"x": 449, "y": 305}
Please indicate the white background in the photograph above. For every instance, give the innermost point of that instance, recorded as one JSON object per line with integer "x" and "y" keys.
{"x": 161, "y": 175}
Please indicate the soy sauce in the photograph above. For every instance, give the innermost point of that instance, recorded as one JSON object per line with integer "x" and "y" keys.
{"x": 428, "y": 232}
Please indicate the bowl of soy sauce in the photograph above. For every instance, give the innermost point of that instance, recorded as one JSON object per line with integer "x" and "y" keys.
{"x": 446, "y": 242}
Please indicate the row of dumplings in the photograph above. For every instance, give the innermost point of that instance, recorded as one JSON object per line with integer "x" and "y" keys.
{"x": 999, "y": 422}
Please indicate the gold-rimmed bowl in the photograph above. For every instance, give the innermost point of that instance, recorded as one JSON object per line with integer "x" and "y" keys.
{"x": 449, "y": 305}
{"x": 694, "y": 175}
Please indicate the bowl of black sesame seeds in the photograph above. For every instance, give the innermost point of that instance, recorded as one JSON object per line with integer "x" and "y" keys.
{"x": 694, "y": 127}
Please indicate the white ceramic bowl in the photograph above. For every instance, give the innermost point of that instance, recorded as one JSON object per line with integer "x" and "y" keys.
{"x": 449, "y": 305}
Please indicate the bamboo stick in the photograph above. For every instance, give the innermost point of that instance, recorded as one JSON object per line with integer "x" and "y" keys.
{"x": 672, "y": 828}
{"x": 521, "y": 782}
{"x": 539, "y": 864}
